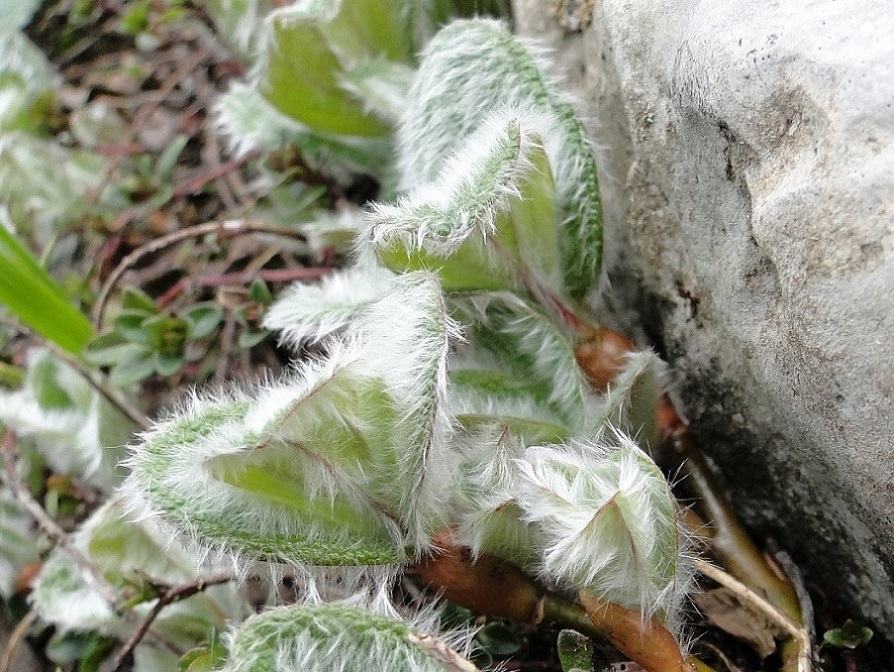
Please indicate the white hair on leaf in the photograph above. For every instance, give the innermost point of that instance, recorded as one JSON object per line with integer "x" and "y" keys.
{"x": 608, "y": 520}
{"x": 335, "y": 637}
{"x": 474, "y": 67}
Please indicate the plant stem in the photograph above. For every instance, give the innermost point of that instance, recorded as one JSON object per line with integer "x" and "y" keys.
{"x": 170, "y": 596}
{"x": 496, "y": 587}
{"x": 644, "y": 640}
{"x": 728, "y": 538}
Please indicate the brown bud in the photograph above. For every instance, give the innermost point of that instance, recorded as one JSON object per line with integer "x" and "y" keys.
{"x": 601, "y": 357}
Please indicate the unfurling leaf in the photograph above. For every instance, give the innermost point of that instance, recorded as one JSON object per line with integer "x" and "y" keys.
{"x": 469, "y": 71}
{"x": 607, "y": 518}
{"x": 476, "y": 223}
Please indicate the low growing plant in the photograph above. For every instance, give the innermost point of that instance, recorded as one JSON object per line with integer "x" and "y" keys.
{"x": 447, "y": 396}
{"x": 451, "y": 416}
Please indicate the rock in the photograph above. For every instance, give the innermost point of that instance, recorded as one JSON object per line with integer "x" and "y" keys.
{"x": 747, "y": 158}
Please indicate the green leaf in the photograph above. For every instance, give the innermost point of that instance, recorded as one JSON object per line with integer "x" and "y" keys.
{"x": 403, "y": 332}
{"x": 35, "y": 298}
{"x": 488, "y": 519}
{"x": 321, "y": 638}
{"x": 131, "y": 325}
{"x": 168, "y": 364}
{"x": 249, "y": 339}
{"x": 27, "y": 80}
{"x": 43, "y": 380}
{"x": 459, "y": 226}
{"x": 533, "y": 222}
{"x": 57, "y": 410}
{"x": 65, "y": 648}
{"x": 206, "y": 658}
{"x": 499, "y": 640}
{"x": 606, "y": 519}
{"x": 130, "y": 554}
{"x": 259, "y": 292}
{"x": 381, "y": 86}
{"x": 250, "y": 122}
{"x": 164, "y": 168}
{"x": 513, "y": 339}
{"x": 481, "y": 397}
{"x": 203, "y": 318}
{"x": 239, "y": 23}
{"x": 139, "y": 364}
{"x": 302, "y": 74}
{"x": 305, "y": 471}
{"x": 167, "y": 335}
{"x": 849, "y": 636}
{"x": 136, "y": 300}
{"x": 110, "y": 349}
{"x": 491, "y": 69}
{"x": 43, "y": 182}
{"x": 575, "y": 651}
{"x": 98, "y": 649}
{"x": 258, "y": 469}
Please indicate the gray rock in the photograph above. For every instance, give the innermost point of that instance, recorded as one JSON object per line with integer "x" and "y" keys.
{"x": 747, "y": 158}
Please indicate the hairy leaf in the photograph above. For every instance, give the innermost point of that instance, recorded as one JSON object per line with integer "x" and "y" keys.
{"x": 401, "y": 326}
{"x": 484, "y": 222}
{"x": 608, "y": 520}
{"x": 517, "y": 355}
{"x": 335, "y": 638}
{"x": 127, "y": 552}
{"x": 312, "y": 44}
{"x": 74, "y": 427}
{"x": 260, "y": 478}
{"x": 469, "y": 70}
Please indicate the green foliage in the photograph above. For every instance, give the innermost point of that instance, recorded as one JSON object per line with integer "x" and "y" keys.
{"x": 849, "y": 636}
{"x": 145, "y": 341}
{"x": 499, "y": 640}
{"x": 443, "y": 390}
{"x": 28, "y": 290}
{"x": 471, "y": 72}
{"x": 575, "y": 652}
{"x": 130, "y": 556}
{"x": 410, "y": 421}
{"x": 77, "y": 431}
{"x": 150, "y": 185}
{"x": 319, "y": 638}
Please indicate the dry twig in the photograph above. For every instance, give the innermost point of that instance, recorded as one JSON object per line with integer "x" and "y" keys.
{"x": 231, "y": 228}
{"x": 170, "y": 596}
{"x": 774, "y": 613}
{"x": 15, "y": 638}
